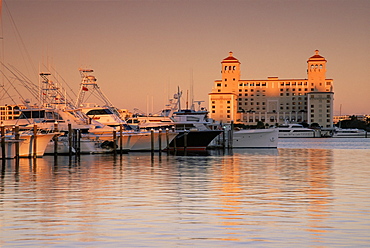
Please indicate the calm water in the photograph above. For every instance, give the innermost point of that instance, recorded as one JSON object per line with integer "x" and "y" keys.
{"x": 307, "y": 193}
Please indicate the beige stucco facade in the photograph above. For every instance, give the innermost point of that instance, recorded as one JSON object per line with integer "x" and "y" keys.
{"x": 273, "y": 100}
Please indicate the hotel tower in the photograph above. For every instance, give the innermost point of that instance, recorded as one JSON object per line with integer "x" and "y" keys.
{"x": 273, "y": 101}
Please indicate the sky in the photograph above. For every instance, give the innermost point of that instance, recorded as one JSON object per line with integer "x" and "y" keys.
{"x": 141, "y": 51}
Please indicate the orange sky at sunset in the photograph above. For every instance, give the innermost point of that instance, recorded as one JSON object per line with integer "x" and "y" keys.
{"x": 143, "y": 50}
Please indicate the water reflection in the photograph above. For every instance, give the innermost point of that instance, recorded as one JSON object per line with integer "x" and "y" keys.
{"x": 244, "y": 196}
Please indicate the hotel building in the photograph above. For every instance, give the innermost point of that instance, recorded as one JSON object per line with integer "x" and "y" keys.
{"x": 273, "y": 100}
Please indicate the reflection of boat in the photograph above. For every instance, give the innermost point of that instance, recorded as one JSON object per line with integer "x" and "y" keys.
{"x": 255, "y": 138}
{"x": 349, "y": 132}
{"x": 295, "y": 131}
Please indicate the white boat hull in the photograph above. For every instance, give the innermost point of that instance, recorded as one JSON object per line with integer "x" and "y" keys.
{"x": 255, "y": 138}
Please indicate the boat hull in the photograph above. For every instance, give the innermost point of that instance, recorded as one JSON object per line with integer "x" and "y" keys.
{"x": 194, "y": 140}
{"x": 255, "y": 138}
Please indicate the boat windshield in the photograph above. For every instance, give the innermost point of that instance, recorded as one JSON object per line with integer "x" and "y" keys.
{"x": 31, "y": 114}
{"x": 99, "y": 112}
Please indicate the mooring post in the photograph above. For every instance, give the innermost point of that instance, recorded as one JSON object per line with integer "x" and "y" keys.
{"x": 152, "y": 140}
{"x": 70, "y": 139}
{"x": 120, "y": 138}
{"x": 159, "y": 140}
{"x": 34, "y": 141}
{"x": 17, "y": 138}
{"x": 55, "y": 138}
{"x": 3, "y": 154}
{"x": 167, "y": 140}
{"x": 185, "y": 140}
{"x": 114, "y": 142}
{"x": 174, "y": 140}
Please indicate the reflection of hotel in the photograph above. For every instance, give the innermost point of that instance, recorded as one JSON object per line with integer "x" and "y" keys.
{"x": 273, "y": 100}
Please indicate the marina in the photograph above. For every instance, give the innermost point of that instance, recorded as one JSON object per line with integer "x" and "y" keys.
{"x": 306, "y": 193}
{"x": 183, "y": 142}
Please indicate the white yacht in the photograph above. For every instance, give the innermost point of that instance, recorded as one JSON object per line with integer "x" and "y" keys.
{"x": 349, "y": 132}
{"x": 295, "y": 131}
{"x": 256, "y": 138}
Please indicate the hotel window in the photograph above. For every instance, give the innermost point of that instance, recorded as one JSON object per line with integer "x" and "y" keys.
{"x": 240, "y": 90}
{"x": 305, "y": 89}
{"x": 281, "y": 107}
{"x": 282, "y": 84}
{"x": 213, "y": 111}
{"x": 240, "y": 94}
{"x": 246, "y": 84}
{"x": 327, "y": 83}
{"x": 228, "y": 101}
{"x": 281, "y": 94}
{"x": 225, "y": 79}
{"x": 213, "y": 106}
{"x": 234, "y": 67}
{"x": 228, "y": 111}
{"x": 228, "y": 116}
{"x": 240, "y": 84}
{"x": 293, "y": 89}
{"x": 281, "y": 89}
{"x": 299, "y": 83}
{"x": 233, "y": 79}
{"x": 263, "y": 103}
{"x": 240, "y": 103}
{"x": 294, "y": 83}
{"x": 245, "y": 94}
{"x": 287, "y": 107}
{"x": 288, "y": 83}
{"x": 258, "y": 84}
{"x": 213, "y": 102}
{"x": 312, "y": 89}
{"x": 251, "y": 84}
{"x": 218, "y": 85}
{"x": 305, "y": 83}
{"x": 263, "y": 84}
{"x": 245, "y": 103}
{"x": 287, "y": 94}
{"x": 246, "y": 90}
{"x": 252, "y": 90}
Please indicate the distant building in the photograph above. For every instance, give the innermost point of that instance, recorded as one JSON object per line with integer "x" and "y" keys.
{"x": 10, "y": 112}
{"x": 273, "y": 100}
{"x": 338, "y": 118}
